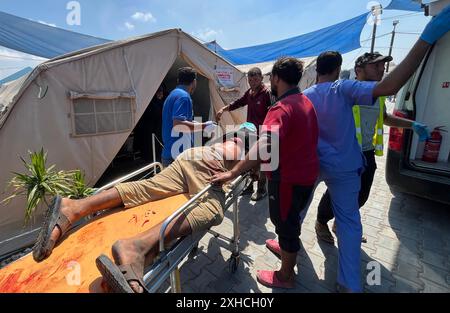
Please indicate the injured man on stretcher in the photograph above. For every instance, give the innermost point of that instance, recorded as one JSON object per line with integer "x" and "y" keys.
{"x": 188, "y": 174}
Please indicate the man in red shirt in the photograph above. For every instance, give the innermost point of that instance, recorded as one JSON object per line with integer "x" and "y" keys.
{"x": 290, "y": 134}
{"x": 258, "y": 101}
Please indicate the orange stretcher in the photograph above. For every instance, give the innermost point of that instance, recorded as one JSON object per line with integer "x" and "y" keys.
{"x": 71, "y": 267}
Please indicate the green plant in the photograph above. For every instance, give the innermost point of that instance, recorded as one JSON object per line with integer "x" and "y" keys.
{"x": 40, "y": 182}
{"x": 79, "y": 188}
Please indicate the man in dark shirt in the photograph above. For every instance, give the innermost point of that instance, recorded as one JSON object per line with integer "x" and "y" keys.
{"x": 258, "y": 100}
{"x": 291, "y": 129}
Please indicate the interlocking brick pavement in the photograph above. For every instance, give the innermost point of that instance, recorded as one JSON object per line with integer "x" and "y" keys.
{"x": 409, "y": 237}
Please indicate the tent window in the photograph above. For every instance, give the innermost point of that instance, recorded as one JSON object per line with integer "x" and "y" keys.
{"x": 102, "y": 116}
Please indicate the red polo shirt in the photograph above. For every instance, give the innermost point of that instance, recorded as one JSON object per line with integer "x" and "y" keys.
{"x": 258, "y": 105}
{"x": 293, "y": 119}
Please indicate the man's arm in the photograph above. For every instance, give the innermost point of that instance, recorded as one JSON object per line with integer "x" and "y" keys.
{"x": 395, "y": 80}
{"x": 239, "y": 103}
{"x": 395, "y": 121}
{"x": 252, "y": 160}
{"x": 434, "y": 30}
{"x": 188, "y": 126}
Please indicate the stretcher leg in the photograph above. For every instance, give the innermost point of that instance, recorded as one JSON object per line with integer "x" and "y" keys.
{"x": 175, "y": 282}
{"x": 235, "y": 258}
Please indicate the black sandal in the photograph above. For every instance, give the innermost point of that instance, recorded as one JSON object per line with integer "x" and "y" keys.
{"x": 53, "y": 218}
{"x": 118, "y": 277}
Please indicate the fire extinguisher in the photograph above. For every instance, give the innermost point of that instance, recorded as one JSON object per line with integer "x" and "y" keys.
{"x": 433, "y": 145}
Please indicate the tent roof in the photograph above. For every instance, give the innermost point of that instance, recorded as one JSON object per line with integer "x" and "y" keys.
{"x": 10, "y": 93}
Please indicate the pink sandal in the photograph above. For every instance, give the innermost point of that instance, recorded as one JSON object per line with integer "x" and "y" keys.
{"x": 274, "y": 247}
{"x": 270, "y": 279}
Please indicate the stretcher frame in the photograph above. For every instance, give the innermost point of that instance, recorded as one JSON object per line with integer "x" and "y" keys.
{"x": 166, "y": 265}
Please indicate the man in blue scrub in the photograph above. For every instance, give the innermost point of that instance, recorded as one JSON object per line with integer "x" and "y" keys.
{"x": 341, "y": 159}
{"x": 177, "y": 118}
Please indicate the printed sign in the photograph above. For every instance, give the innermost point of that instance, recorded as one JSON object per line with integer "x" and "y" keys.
{"x": 225, "y": 76}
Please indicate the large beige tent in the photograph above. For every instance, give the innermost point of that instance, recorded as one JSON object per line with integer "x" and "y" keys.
{"x": 81, "y": 108}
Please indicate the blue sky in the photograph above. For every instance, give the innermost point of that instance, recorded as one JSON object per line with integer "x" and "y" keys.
{"x": 233, "y": 23}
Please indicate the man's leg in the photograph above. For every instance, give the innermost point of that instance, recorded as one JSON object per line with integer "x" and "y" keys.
{"x": 74, "y": 210}
{"x": 141, "y": 250}
{"x": 344, "y": 189}
{"x": 165, "y": 184}
{"x": 285, "y": 204}
{"x": 367, "y": 177}
{"x": 324, "y": 215}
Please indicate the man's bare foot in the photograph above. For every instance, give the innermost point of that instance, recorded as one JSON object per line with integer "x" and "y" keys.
{"x": 68, "y": 208}
{"x": 129, "y": 252}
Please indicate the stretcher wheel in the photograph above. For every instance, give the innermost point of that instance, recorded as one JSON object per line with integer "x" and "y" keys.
{"x": 233, "y": 263}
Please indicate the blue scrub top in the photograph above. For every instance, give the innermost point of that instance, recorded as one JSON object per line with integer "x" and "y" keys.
{"x": 338, "y": 146}
{"x": 178, "y": 106}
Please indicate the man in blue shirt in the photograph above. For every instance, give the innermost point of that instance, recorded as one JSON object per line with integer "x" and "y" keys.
{"x": 177, "y": 118}
{"x": 341, "y": 159}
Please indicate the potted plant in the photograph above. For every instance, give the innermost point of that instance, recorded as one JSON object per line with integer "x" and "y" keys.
{"x": 40, "y": 183}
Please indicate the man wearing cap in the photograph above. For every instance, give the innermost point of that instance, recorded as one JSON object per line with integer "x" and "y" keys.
{"x": 258, "y": 101}
{"x": 369, "y": 121}
{"x": 341, "y": 158}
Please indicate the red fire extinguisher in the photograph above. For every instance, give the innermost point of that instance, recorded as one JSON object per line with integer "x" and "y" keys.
{"x": 433, "y": 145}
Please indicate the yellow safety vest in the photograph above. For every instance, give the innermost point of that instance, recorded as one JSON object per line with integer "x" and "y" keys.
{"x": 378, "y": 137}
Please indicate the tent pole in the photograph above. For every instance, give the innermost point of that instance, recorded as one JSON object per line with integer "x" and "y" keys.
{"x": 394, "y": 23}
{"x": 377, "y": 10}
{"x": 154, "y": 151}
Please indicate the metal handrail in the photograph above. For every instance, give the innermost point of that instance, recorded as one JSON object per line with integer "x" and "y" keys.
{"x": 185, "y": 206}
{"x": 131, "y": 175}
{"x": 177, "y": 213}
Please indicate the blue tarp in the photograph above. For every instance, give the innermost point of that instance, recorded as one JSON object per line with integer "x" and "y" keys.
{"x": 405, "y": 5}
{"x": 343, "y": 37}
{"x": 41, "y": 40}
{"x": 16, "y": 75}
{"x": 45, "y": 41}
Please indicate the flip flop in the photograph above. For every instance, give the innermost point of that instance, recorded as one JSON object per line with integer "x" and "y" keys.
{"x": 270, "y": 279}
{"x": 118, "y": 277}
{"x": 53, "y": 218}
{"x": 274, "y": 247}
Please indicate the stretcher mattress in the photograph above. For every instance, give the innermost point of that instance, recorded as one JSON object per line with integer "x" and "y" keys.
{"x": 71, "y": 267}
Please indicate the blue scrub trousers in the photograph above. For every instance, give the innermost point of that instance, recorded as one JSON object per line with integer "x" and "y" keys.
{"x": 344, "y": 192}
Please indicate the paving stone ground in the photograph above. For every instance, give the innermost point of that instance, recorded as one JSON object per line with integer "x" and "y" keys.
{"x": 408, "y": 236}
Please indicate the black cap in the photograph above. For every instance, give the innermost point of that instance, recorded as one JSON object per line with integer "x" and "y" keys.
{"x": 370, "y": 58}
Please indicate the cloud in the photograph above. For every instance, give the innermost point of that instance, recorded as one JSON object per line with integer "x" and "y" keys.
{"x": 129, "y": 26}
{"x": 143, "y": 17}
{"x": 48, "y": 24}
{"x": 206, "y": 34}
{"x": 14, "y": 56}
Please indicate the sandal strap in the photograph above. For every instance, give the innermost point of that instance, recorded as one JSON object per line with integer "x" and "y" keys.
{"x": 130, "y": 275}
{"x": 63, "y": 224}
